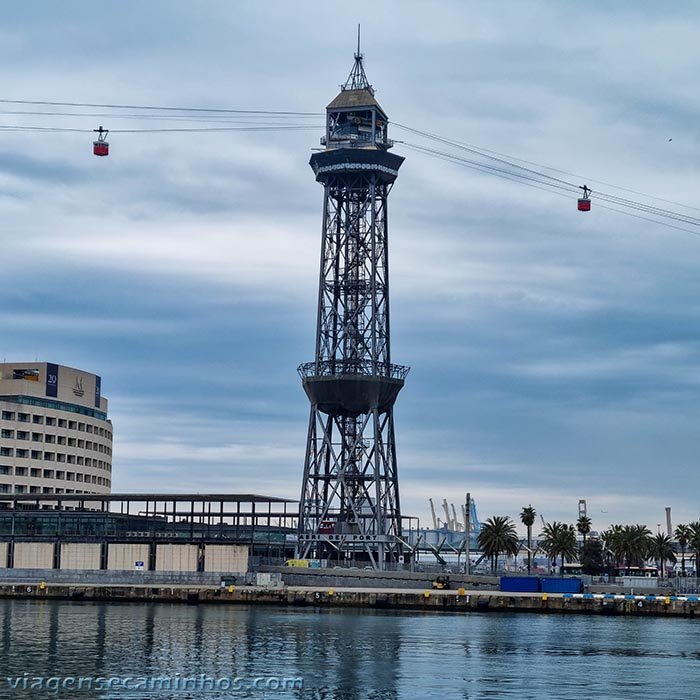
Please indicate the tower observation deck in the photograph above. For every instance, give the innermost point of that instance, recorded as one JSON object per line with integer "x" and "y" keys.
{"x": 349, "y": 507}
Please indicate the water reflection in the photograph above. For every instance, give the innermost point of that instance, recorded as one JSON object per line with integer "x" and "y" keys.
{"x": 347, "y": 655}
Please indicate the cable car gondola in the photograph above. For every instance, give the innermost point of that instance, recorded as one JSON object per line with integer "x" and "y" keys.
{"x": 100, "y": 147}
{"x": 584, "y": 203}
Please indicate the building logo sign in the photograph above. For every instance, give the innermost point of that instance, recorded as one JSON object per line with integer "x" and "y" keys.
{"x": 78, "y": 388}
{"x": 51, "y": 380}
{"x": 98, "y": 391}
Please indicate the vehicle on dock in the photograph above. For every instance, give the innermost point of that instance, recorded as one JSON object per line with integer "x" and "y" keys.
{"x": 441, "y": 583}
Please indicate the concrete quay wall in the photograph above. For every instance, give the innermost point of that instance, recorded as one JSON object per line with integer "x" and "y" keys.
{"x": 465, "y": 601}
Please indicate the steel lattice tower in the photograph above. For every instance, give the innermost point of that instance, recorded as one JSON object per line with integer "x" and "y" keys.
{"x": 350, "y": 492}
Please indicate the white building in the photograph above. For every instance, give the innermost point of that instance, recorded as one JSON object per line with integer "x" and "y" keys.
{"x": 55, "y": 436}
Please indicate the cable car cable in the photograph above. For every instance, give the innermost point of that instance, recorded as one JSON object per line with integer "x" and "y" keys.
{"x": 479, "y": 149}
{"x": 517, "y": 177}
{"x": 164, "y": 109}
{"x": 658, "y": 211}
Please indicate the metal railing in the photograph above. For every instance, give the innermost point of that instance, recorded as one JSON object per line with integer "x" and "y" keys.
{"x": 365, "y": 368}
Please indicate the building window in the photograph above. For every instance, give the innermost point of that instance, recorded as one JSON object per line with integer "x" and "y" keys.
{"x": 72, "y": 425}
{"x": 71, "y": 442}
{"x": 48, "y": 456}
{"x": 50, "y": 420}
{"x": 34, "y": 489}
{"x": 36, "y": 473}
{"x": 5, "y": 469}
{"x": 22, "y": 435}
{"x": 62, "y": 423}
{"x": 36, "y": 437}
{"x": 70, "y": 459}
{"x": 81, "y": 444}
{"x": 38, "y": 419}
{"x": 8, "y": 415}
{"x": 60, "y": 440}
{"x": 36, "y": 454}
{"x": 81, "y": 426}
{"x": 47, "y": 489}
{"x": 22, "y": 454}
{"x": 23, "y": 417}
{"x": 4, "y": 488}
{"x": 20, "y": 471}
{"x": 60, "y": 475}
{"x": 20, "y": 488}
{"x": 7, "y": 433}
{"x": 48, "y": 473}
{"x": 6, "y": 452}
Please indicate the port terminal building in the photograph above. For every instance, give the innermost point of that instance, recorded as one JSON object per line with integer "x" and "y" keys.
{"x": 55, "y": 434}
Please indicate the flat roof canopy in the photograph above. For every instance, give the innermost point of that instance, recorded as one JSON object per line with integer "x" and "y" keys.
{"x": 178, "y": 497}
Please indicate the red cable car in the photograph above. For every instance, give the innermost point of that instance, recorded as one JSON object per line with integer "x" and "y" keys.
{"x": 100, "y": 147}
{"x": 584, "y": 203}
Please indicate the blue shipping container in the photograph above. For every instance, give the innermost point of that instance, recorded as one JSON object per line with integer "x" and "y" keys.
{"x": 562, "y": 585}
{"x": 520, "y": 584}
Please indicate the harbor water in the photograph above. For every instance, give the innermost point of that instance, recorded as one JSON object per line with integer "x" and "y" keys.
{"x": 85, "y": 650}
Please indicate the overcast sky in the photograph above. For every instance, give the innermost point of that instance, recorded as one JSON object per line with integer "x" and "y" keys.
{"x": 554, "y": 354}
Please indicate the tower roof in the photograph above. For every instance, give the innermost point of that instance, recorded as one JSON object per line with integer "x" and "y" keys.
{"x": 356, "y": 91}
{"x": 354, "y": 98}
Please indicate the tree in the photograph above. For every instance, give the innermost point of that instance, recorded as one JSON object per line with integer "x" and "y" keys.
{"x": 683, "y": 534}
{"x": 694, "y": 542}
{"x": 612, "y": 545}
{"x": 559, "y": 540}
{"x": 498, "y": 535}
{"x": 661, "y": 549}
{"x": 591, "y": 558}
{"x": 635, "y": 542}
{"x": 583, "y": 525}
{"x": 527, "y": 518}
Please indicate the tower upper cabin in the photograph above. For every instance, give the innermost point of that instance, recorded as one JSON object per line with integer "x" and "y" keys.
{"x": 354, "y": 119}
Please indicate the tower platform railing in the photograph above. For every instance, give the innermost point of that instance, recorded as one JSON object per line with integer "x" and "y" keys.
{"x": 366, "y": 368}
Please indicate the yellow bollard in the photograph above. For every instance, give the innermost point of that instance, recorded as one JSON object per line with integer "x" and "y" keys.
{"x": 230, "y": 589}
{"x": 461, "y": 591}
{"x": 42, "y": 585}
{"x": 667, "y": 600}
{"x": 544, "y": 596}
{"x": 426, "y": 594}
{"x": 331, "y": 591}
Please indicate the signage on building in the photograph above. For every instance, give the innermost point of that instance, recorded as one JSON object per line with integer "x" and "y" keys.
{"x": 78, "y": 388}
{"x": 98, "y": 391}
{"x": 51, "y": 380}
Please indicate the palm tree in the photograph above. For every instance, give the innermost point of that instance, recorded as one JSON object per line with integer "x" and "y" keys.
{"x": 559, "y": 540}
{"x": 527, "y": 518}
{"x": 612, "y": 541}
{"x": 694, "y": 542}
{"x": 683, "y": 534}
{"x": 583, "y": 525}
{"x": 496, "y": 536}
{"x": 635, "y": 541}
{"x": 661, "y": 549}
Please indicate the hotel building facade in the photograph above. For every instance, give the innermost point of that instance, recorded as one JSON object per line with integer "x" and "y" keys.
{"x": 55, "y": 436}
